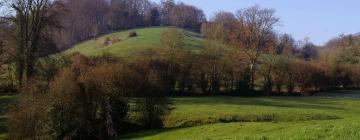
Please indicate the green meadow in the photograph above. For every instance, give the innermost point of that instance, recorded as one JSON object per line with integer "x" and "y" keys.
{"x": 332, "y": 116}
{"x": 121, "y": 45}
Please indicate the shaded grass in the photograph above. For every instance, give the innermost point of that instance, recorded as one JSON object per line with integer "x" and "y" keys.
{"x": 311, "y": 130}
{"x": 261, "y": 118}
{"x": 2, "y": 137}
{"x": 147, "y": 37}
{"x": 5, "y": 101}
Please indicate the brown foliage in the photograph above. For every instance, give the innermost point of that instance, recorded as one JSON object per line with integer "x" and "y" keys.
{"x": 89, "y": 99}
{"x": 28, "y": 118}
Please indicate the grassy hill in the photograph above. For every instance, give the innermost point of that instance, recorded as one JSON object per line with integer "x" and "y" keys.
{"x": 120, "y": 44}
{"x": 335, "y": 116}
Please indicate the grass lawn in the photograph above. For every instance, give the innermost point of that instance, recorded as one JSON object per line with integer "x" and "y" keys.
{"x": 147, "y": 37}
{"x": 334, "y": 116}
{"x": 5, "y": 101}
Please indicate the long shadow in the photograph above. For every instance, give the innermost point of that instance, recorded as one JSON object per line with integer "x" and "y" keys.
{"x": 148, "y": 133}
{"x": 3, "y": 124}
{"x": 284, "y": 102}
{"x": 6, "y": 100}
{"x": 346, "y": 94}
{"x": 192, "y": 40}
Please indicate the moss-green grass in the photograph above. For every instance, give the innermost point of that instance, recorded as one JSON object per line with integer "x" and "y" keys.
{"x": 289, "y": 118}
{"x": 147, "y": 37}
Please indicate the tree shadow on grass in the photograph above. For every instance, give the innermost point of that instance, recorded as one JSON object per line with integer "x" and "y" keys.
{"x": 3, "y": 124}
{"x": 148, "y": 133}
{"x": 192, "y": 40}
{"x": 6, "y": 100}
{"x": 283, "y": 102}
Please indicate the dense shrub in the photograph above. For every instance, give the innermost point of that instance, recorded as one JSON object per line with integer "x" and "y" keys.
{"x": 310, "y": 77}
{"x": 133, "y": 34}
{"x": 89, "y": 99}
{"x": 28, "y": 119}
{"x": 152, "y": 106}
{"x": 115, "y": 40}
{"x": 106, "y": 42}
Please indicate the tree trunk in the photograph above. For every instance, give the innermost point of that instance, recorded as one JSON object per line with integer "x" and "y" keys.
{"x": 252, "y": 78}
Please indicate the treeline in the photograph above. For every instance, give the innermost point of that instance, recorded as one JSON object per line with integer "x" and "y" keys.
{"x": 85, "y": 19}
{"x": 79, "y": 20}
{"x": 279, "y": 66}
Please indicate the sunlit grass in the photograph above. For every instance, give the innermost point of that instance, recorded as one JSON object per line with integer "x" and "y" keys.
{"x": 147, "y": 37}
{"x": 287, "y": 118}
{"x": 326, "y": 117}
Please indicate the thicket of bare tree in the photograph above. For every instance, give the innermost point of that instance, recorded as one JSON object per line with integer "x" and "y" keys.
{"x": 90, "y": 98}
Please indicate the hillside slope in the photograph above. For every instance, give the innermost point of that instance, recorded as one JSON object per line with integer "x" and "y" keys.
{"x": 120, "y": 44}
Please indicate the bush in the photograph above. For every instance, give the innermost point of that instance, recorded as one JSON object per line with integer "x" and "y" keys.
{"x": 88, "y": 99}
{"x": 152, "y": 107}
{"x": 115, "y": 40}
{"x": 106, "y": 42}
{"x": 91, "y": 99}
{"x": 133, "y": 34}
{"x": 29, "y": 118}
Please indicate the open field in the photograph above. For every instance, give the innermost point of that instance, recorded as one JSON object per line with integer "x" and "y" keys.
{"x": 334, "y": 116}
{"x": 124, "y": 46}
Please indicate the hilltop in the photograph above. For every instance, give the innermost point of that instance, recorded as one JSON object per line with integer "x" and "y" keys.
{"x": 120, "y": 44}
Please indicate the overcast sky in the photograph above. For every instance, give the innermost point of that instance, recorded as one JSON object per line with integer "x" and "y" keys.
{"x": 320, "y": 20}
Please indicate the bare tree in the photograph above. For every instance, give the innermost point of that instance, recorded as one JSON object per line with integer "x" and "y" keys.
{"x": 309, "y": 51}
{"x": 6, "y": 43}
{"x": 34, "y": 21}
{"x": 220, "y": 27}
{"x": 286, "y": 45}
{"x": 186, "y": 16}
{"x": 166, "y": 7}
{"x": 255, "y": 29}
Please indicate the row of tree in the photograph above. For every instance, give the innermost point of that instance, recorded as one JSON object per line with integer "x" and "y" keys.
{"x": 281, "y": 68}
{"x": 84, "y": 19}
{"x": 89, "y": 98}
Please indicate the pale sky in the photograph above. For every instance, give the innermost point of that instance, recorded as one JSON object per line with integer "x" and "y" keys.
{"x": 320, "y": 20}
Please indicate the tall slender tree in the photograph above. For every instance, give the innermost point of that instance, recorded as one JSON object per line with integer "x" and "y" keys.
{"x": 34, "y": 21}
